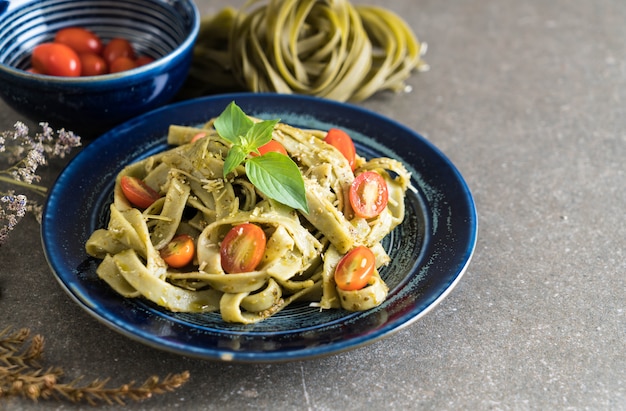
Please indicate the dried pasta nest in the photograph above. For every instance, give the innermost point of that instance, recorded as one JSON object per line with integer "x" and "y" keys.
{"x": 329, "y": 49}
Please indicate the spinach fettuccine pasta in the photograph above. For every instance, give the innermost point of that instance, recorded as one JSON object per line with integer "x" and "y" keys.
{"x": 325, "y": 48}
{"x": 248, "y": 250}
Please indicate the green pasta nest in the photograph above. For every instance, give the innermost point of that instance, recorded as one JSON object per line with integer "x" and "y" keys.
{"x": 329, "y": 49}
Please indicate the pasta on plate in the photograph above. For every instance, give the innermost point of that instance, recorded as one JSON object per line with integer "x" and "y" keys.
{"x": 302, "y": 249}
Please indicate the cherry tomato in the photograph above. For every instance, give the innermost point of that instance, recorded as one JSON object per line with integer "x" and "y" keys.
{"x": 116, "y": 48}
{"x": 342, "y": 142}
{"x": 368, "y": 194}
{"x": 143, "y": 60}
{"x": 273, "y": 145}
{"x": 138, "y": 192}
{"x": 243, "y": 248}
{"x": 92, "y": 64}
{"x": 198, "y": 136}
{"x": 355, "y": 269}
{"x": 122, "y": 64}
{"x": 179, "y": 252}
{"x": 79, "y": 39}
{"x": 56, "y": 60}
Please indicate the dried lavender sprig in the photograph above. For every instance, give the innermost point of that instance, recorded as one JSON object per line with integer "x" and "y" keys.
{"x": 26, "y": 154}
{"x": 13, "y": 208}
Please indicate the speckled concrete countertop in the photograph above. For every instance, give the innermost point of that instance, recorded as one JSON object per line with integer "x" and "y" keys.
{"x": 527, "y": 98}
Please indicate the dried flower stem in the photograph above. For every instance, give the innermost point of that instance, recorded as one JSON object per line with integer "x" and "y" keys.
{"x": 21, "y": 375}
{"x": 29, "y": 186}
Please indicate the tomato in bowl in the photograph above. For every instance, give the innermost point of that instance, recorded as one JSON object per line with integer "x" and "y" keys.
{"x": 163, "y": 30}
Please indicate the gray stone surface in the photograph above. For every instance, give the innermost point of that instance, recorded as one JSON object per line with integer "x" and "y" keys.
{"x": 527, "y": 98}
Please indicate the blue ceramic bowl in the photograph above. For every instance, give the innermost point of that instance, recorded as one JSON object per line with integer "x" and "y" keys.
{"x": 162, "y": 29}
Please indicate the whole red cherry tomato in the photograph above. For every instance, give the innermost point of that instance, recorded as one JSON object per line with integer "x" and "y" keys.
{"x": 243, "y": 248}
{"x": 138, "y": 192}
{"x": 342, "y": 142}
{"x": 368, "y": 194}
{"x": 116, "y": 48}
{"x": 92, "y": 64}
{"x": 79, "y": 39}
{"x": 355, "y": 269}
{"x": 143, "y": 60}
{"x": 56, "y": 59}
{"x": 122, "y": 64}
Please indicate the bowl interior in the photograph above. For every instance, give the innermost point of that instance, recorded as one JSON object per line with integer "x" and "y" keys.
{"x": 155, "y": 27}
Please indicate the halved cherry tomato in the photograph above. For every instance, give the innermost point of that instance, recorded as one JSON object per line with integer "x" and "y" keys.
{"x": 342, "y": 142}
{"x": 138, "y": 192}
{"x": 116, "y": 48}
{"x": 56, "y": 59}
{"x": 368, "y": 194}
{"x": 179, "y": 252}
{"x": 92, "y": 64}
{"x": 79, "y": 39}
{"x": 122, "y": 64}
{"x": 355, "y": 269}
{"x": 272, "y": 145}
{"x": 198, "y": 136}
{"x": 243, "y": 248}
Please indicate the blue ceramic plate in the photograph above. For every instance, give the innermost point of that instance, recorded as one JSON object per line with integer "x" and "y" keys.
{"x": 430, "y": 250}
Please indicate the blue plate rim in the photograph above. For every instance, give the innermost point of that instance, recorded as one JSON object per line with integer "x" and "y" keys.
{"x": 71, "y": 282}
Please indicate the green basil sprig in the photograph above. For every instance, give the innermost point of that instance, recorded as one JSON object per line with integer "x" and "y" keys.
{"x": 274, "y": 174}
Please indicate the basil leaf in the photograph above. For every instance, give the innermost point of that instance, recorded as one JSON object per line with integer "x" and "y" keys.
{"x": 274, "y": 174}
{"x": 233, "y": 123}
{"x": 235, "y": 156}
{"x": 279, "y": 178}
{"x": 259, "y": 134}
